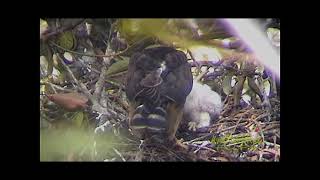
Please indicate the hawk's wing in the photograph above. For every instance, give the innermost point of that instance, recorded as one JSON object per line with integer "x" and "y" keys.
{"x": 178, "y": 81}
{"x": 134, "y": 76}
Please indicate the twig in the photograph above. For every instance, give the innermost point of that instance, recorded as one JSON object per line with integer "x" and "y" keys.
{"x": 235, "y": 128}
{"x": 243, "y": 114}
{"x": 202, "y": 147}
{"x": 53, "y": 86}
{"x": 194, "y": 61}
{"x": 106, "y": 63}
{"x": 258, "y": 125}
{"x": 171, "y": 152}
{"x": 200, "y": 76}
{"x": 82, "y": 87}
{"x": 119, "y": 154}
{"x": 89, "y": 55}
{"x": 205, "y": 63}
{"x": 118, "y": 74}
{"x": 46, "y": 35}
{"x": 236, "y": 143}
{"x": 231, "y": 127}
{"x": 206, "y": 148}
{"x": 120, "y": 86}
{"x": 197, "y": 139}
{"x": 100, "y": 82}
{"x": 96, "y": 105}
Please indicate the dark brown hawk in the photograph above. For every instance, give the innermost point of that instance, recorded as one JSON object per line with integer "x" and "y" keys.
{"x": 158, "y": 83}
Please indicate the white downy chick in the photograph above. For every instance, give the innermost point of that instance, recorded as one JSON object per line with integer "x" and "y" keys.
{"x": 202, "y": 106}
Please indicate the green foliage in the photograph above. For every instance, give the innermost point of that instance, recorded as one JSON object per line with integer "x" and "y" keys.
{"x": 236, "y": 143}
{"x": 43, "y": 49}
{"x": 59, "y": 144}
{"x": 134, "y": 29}
{"x": 80, "y": 119}
{"x": 119, "y": 66}
{"x": 67, "y": 40}
{"x": 226, "y": 84}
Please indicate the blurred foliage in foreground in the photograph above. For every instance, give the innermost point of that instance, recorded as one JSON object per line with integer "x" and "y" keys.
{"x": 74, "y": 145}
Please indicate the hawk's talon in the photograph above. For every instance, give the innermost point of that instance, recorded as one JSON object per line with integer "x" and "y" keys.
{"x": 192, "y": 126}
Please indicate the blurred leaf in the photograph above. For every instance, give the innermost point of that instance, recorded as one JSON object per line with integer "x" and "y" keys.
{"x": 42, "y": 89}
{"x": 118, "y": 66}
{"x": 57, "y": 144}
{"x": 85, "y": 120}
{"x": 246, "y": 87}
{"x": 78, "y": 119}
{"x": 57, "y": 63}
{"x": 43, "y": 66}
{"x": 274, "y": 36}
{"x": 43, "y": 23}
{"x": 246, "y": 98}
{"x": 43, "y": 49}
{"x": 134, "y": 29}
{"x": 139, "y": 45}
{"x": 43, "y": 26}
{"x": 205, "y": 53}
{"x": 49, "y": 60}
{"x": 266, "y": 85}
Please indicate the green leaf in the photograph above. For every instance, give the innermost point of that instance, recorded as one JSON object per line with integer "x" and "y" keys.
{"x": 43, "y": 26}
{"x": 49, "y": 59}
{"x": 226, "y": 84}
{"x": 78, "y": 119}
{"x": 43, "y": 49}
{"x": 66, "y": 40}
{"x": 43, "y": 23}
{"x": 266, "y": 85}
{"x": 274, "y": 36}
{"x": 118, "y": 66}
{"x": 42, "y": 89}
{"x": 43, "y": 65}
{"x": 155, "y": 46}
{"x": 133, "y": 29}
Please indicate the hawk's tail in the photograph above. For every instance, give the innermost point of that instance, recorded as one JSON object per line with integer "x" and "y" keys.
{"x": 154, "y": 119}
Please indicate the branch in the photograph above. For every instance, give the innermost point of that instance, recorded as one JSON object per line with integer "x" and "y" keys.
{"x": 106, "y": 63}
{"x": 89, "y": 55}
{"x": 213, "y": 75}
{"x": 118, "y": 74}
{"x": 199, "y": 77}
{"x": 46, "y": 35}
{"x": 82, "y": 87}
{"x": 100, "y": 82}
{"x": 194, "y": 61}
{"x": 53, "y": 86}
{"x": 205, "y": 63}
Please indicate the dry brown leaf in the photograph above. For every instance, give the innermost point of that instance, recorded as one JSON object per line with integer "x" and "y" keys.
{"x": 69, "y": 101}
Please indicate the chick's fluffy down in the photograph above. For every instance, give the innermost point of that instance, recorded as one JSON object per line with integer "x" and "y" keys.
{"x": 202, "y": 106}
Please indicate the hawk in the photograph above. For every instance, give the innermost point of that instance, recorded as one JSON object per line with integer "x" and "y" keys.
{"x": 158, "y": 82}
